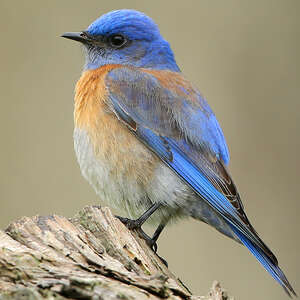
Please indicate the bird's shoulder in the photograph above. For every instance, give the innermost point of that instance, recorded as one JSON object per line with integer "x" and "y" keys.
{"x": 168, "y": 103}
{"x": 163, "y": 84}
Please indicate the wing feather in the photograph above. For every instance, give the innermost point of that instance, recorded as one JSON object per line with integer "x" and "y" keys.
{"x": 173, "y": 120}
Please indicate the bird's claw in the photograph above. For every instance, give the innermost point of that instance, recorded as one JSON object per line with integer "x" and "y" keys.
{"x": 134, "y": 225}
{"x": 130, "y": 224}
{"x": 163, "y": 260}
{"x": 153, "y": 246}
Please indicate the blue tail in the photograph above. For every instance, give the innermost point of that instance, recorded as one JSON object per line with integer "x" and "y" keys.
{"x": 272, "y": 268}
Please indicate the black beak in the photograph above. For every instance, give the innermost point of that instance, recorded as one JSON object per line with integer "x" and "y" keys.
{"x": 77, "y": 36}
{"x": 84, "y": 38}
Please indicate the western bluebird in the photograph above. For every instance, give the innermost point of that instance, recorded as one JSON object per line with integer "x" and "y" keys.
{"x": 148, "y": 142}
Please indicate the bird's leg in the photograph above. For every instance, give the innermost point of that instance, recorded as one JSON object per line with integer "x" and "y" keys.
{"x": 137, "y": 224}
{"x": 155, "y": 236}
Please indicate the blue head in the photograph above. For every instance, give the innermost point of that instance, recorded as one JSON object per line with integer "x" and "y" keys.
{"x": 125, "y": 37}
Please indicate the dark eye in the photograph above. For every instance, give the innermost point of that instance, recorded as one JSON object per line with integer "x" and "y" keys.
{"x": 117, "y": 40}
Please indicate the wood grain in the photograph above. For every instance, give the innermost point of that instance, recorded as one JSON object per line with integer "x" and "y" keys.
{"x": 91, "y": 256}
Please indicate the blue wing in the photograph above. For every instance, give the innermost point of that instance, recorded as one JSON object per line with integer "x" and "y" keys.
{"x": 171, "y": 118}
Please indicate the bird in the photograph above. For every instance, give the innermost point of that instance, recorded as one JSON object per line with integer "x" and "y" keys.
{"x": 148, "y": 142}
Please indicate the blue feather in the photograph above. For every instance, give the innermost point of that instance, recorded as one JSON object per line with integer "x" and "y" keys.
{"x": 273, "y": 269}
{"x": 149, "y": 48}
{"x": 186, "y": 170}
{"x": 182, "y": 133}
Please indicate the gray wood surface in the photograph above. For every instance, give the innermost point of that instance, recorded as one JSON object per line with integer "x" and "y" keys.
{"x": 91, "y": 256}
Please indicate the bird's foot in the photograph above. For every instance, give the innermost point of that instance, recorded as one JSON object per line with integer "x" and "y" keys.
{"x": 130, "y": 224}
{"x": 135, "y": 225}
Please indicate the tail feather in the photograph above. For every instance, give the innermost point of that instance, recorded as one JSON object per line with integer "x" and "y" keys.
{"x": 272, "y": 268}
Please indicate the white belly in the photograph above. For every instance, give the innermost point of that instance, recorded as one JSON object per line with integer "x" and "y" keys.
{"x": 111, "y": 186}
{"x": 133, "y": 198}
{"x": 130, "y": 195}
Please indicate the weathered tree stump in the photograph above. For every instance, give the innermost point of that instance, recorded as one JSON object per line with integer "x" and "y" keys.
{"x": 91, "y": 256}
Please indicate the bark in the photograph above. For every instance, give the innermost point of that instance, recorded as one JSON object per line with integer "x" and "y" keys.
{"x": 91, "y": 256}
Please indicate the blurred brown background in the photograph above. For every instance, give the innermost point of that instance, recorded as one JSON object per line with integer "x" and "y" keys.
{"x": 245, "y": 58}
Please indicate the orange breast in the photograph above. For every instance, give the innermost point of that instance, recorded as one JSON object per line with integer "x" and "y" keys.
{"x": 111, "y": 139}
